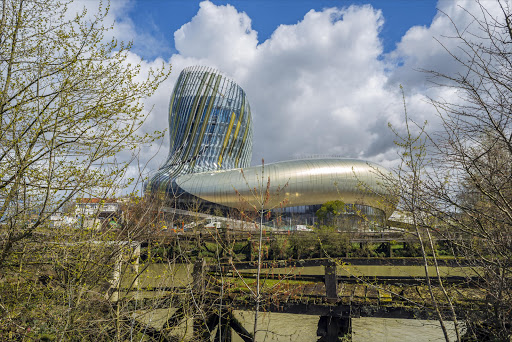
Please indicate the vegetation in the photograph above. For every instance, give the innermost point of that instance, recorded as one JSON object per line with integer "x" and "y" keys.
{"x": 70, "y": 102}
{"x": 329, "y": 211}
{"x": 456, "y": 183}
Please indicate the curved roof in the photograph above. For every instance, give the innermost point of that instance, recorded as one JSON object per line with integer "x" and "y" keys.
{"x": 294, "y": 183}
{"x": 210, "y": 128}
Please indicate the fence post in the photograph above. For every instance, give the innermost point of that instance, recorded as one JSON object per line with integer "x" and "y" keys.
{"x": 331, "y": 328}
{"x": 331, "y": 282}
{"x": 135, "y": 266}
{"x": 199, "y": 275}
{"x": 389, "y": 251}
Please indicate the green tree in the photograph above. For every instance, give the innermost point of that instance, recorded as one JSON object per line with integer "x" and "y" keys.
{"x": 329, "y": 211}
{"x": 70, "y": 101}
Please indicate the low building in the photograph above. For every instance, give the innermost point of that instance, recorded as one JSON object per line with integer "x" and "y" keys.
{"x": 95, "y": 212}
{"x": 59, "y": 220}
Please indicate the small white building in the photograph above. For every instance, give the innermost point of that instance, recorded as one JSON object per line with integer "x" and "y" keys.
{"x": 61, "y": 220}
{"x": 96, "y": 207}
{"x": 91, "y": 211}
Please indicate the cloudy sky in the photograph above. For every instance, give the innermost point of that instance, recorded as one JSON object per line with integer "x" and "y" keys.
{"x": 322, "y": 77}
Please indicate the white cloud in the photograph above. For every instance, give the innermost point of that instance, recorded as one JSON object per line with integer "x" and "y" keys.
{"x": 426, "y": 48}
{"x": 218, "y": 33}
{"x": 117, "y": 15}
{"x": 314, "y": 87}
{"x": 321, "y": 86}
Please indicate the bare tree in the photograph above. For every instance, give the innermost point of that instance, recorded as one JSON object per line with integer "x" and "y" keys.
{"x": 261, "y": 203}
{"x": 409, "y": 186}
{"x": 467, "y": 188}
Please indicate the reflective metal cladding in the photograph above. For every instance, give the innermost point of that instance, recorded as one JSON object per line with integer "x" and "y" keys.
{"x": 292, "y": 183}
{"x": 210, "y": 128}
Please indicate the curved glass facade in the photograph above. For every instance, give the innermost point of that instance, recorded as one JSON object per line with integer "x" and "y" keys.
{"x": 210, "y": 126}
{"x": 211, "y": 148}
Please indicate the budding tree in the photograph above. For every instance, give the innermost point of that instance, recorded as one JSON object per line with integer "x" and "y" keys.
{"x": 469, "y": 186}
{"x": 70, "y": 101}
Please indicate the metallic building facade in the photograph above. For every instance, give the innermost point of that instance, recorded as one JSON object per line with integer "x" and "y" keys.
{"x": 292, "y": 183}
{"x": 210, "y": 127}
{"x": 211, "y": 147}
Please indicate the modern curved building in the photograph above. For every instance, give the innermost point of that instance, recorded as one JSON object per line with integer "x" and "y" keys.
{"x": 210, "y": 127}
{"x": 211, "y": 147}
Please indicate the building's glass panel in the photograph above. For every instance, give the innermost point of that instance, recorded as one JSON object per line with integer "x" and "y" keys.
{"x": 202, "y": 103}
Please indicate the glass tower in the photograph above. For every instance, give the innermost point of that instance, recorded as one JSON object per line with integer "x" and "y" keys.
{"x": 210, "y": 126}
